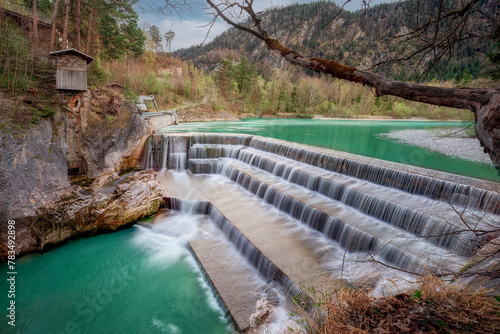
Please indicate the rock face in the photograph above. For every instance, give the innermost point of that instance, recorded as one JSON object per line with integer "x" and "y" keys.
{"x": 116, "y": 204}
{"x": 97, "y": 133}
{"x": 117, "y": 152}
{"x": 33, "y": 171}
{"x": 103, "y": 133}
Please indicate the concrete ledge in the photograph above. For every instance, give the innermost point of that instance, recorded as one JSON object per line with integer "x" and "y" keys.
{"x": 231, "y": 281}
{"x": 159, "y": 120}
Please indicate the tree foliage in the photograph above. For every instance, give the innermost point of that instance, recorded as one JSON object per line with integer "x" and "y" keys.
{"x": 361, "y": 39}
{"x": 155, "y": 35}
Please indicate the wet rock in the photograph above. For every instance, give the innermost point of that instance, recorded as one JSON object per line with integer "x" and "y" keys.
{"x": 76, "y": 215}
{"x": 263, "y": 315}
{"x": 368, "y": 281}
{"x": 492, "y": 248}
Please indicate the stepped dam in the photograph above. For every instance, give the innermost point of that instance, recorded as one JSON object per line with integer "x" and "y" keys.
{"x": 297, "y": 216}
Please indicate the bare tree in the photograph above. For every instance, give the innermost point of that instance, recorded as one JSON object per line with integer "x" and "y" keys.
{"x": 483, "y": 102}
{"x": 77, "y": 25}
{"x": 65, "y": 24}
{"x": 436, "y": 29}
{"x": 35, "y": 25}
{"x": 54, "y": 26}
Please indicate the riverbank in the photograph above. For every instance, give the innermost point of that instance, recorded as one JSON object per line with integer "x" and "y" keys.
{"x": 455, "y": 142}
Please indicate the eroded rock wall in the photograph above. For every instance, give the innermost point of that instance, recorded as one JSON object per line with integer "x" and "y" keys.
{"x": 33, "y": 170}
{"x": 113, "y": 205}
{"x": 96, "y": 133}
{"x": 103, "y": 133}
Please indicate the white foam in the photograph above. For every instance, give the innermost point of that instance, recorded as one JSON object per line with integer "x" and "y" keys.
{"x": 165, "y": 242}
{"x": 166, "y": 328}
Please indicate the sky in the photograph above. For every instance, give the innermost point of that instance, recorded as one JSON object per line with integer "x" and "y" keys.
{"x": 189, "y": 27}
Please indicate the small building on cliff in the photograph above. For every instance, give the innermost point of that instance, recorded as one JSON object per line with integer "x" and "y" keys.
{"x": 71, "y": 70}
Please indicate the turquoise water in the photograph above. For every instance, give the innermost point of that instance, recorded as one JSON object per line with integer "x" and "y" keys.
{"x": 131, "y": 281}
{"x": 354, "y": 136}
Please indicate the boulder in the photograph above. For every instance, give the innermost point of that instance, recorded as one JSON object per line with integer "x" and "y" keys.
{"x": 75, "y": 214}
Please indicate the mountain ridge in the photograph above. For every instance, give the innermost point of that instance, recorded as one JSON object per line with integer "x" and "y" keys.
{"x": 360, "y": 39}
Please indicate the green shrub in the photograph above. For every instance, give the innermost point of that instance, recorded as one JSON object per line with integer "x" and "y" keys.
{"x": 97, "y": 73}
{"x": 401, "y": 110}
{"x": 47, "y": 111}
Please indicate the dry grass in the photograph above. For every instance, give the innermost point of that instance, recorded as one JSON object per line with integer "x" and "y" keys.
{"x": 433, "y": 307}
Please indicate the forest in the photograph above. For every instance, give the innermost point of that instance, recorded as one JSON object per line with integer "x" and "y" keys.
{"x": 248, "y": 81}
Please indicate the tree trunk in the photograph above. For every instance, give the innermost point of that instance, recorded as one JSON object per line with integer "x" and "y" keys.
{"x": 65, "y": 25}
{"x": 54, "y": 26}
{"x": 35, "y": 25}
{"x": 77, "y": 25}
{"x": 483, "y": 102}
{"x": 88, "y": 42}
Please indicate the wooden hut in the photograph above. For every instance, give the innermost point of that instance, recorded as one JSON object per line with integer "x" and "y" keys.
{"x": 71, "y": 72}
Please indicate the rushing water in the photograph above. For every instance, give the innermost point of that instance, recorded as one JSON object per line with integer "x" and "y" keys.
{"x": 138, "y": 280}
{"x": 144, "y": 280}
{"x": 354, "y": 136}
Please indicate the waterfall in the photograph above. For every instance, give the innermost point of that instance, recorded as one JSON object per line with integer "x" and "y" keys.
{"x": 147, "y": 157}
{"x": 268, "y": 270}
{"x": 213, "y": 151}
{"x": 219, "y": 139}
{"x": 155, "y": 153}
{"x": 457, "y": 194}
{"x": 189, "y": 206}
{"x": 264, "y": 266}
{"x": 362, "y": 207}
{"x": 409, "y": 219}
{"x": 164, "y": 153}
{"x": 177, "y": 153}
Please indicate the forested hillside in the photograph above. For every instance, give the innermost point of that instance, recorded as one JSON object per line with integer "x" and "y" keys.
{"x": 235, "y": 72}
{"x": 360, "y": 39}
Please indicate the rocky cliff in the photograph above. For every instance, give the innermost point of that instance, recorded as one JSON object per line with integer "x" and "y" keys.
{"x": 33, "y": 170}
{"x": 94, "y": 134}
{"x": 115, "y": 204}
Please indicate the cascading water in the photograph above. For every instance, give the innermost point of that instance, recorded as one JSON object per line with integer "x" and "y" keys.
{"x": 155, "y": 153}
{"x": 266, "y": 268}
{"x": 177, "y": 157}
{"x": 373, "y": 213}
{"x": 298, "y": 166}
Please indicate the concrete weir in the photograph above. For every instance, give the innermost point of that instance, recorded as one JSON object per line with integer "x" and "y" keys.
{"x": 301, "y": 216}
{"x": 229, "y": 280}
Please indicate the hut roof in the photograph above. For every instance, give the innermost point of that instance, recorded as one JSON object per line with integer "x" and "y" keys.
{"x": 73, "y": 52}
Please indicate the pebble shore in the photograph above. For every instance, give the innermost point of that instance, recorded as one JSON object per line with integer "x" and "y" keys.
{"x": 451, "y": 142}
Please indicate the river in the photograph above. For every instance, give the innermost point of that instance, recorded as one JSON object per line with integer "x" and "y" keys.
{"x": 354, "y": 136}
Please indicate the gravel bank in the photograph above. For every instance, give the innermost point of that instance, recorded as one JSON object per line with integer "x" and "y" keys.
{"x": 446, "y": 141}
